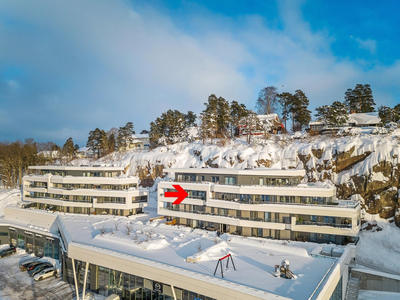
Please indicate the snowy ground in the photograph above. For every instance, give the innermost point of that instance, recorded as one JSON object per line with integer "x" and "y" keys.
{"x": 380, "y": 247}
{"x": 16, "y": 285}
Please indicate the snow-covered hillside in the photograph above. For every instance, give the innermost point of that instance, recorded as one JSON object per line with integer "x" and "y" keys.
{"x": 358, "y": 164}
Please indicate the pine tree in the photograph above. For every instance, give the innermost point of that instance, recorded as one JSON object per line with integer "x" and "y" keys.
{"x": 301, "y": 116}
{"x": 190, "y": 118}
{"x": 238, "y": 111}
{"x": 69, "y": 149}
{"x": 223, "y": 117}
{"x": 251, "y": 123}
{"x": 112, "y": 143}
{"x": 208, "y": 126}
{"x": 267, "y": 101}
{"x": 94, "y": 141}
{"x": 285, "y": 101}
{"x": 338, "y": 114}
{"x": 125, "y": 136}
{"x": 387, "y": 115}
{"x": 360, "y": 99}
{"x": 396, "y": 111}
{"x": 323, "y": 113}
{"x": 168, "y": 129}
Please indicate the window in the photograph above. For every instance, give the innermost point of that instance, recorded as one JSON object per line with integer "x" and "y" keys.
{"x": 261, "y": 181}
{"x": 230, "y": 180}
{"x": 215, "y": 178}
{"x": 313, "y": 218}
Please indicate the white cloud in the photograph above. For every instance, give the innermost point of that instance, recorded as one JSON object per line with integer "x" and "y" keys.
{"x": 103, "y": 63}
{"x": 367, "y": 44}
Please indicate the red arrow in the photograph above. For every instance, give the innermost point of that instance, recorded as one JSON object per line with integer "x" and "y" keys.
{"x": 181, "y": 194}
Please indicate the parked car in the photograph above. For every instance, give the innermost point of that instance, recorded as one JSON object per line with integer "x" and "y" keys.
{"x": 34, "y": 264}
{"x": 8, "y": 251}
{"x": 26, "y": 264}
{"x": 39, "y": 268}
{"x": 45, "y": 273}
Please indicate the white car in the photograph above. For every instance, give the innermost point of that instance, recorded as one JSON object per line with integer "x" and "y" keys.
{"x": 46, "y": 273}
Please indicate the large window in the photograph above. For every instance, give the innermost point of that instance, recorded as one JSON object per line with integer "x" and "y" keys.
{"x": 230, "y": 180}
{"x": 215, "y": 178}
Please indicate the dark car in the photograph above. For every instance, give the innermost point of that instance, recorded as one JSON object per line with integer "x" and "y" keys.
{"x": 34, "y": 264}
{"x": 9, "y": 251}
{"x": 26, "y": 264}
{"x": 39, "y": 268}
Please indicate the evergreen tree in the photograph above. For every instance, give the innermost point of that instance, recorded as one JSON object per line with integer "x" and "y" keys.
{"x": 360, "y": 99}
{"x": 323, "y": 113}
{"x": 69, "y": 149}
{"x": 301, "y": 116}
{"x": 208, "y": 125}
{"x": 168, "y": 129}
{"x": 251, "y": 123}
{"x": 97, "y": 142}
{"x": 190, "y": 118}
{"x": 112, "y": 143}
{"x": 223, "y": 117}
{"x": 387, "y": 115}
{"x": 396, "y": 111}
{"x": 76, "y": 147}
{"x": 285, "y": 101}
{"x": 267, "y": 101}
{"x": 238, "y": 111}
{"x": 125, "y": 136}
{"x": 209, "y": 119}
{"x": 336, "y": 114}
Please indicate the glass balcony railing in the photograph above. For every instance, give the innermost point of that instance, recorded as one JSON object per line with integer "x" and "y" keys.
{"x": 324, "y": 224}
{"x": 228, "y": 216}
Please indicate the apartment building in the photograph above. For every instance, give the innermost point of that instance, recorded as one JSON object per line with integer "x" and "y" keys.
{"x": 87, "y": 190}
{"x": 267, "y": 203}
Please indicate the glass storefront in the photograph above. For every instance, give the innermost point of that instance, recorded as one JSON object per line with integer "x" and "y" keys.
{"x": 131, "y": 287}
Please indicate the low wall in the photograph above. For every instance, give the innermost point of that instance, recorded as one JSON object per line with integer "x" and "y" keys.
{"x": 377, "y": 281}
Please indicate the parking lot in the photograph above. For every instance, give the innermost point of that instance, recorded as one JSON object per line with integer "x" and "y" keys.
{"x": 15, "y": 284}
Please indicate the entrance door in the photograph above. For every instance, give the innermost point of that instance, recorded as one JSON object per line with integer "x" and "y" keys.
{"x": 223, "y": 228}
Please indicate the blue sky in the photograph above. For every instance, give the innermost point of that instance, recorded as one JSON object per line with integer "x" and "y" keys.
{"x": 69, "y": 67}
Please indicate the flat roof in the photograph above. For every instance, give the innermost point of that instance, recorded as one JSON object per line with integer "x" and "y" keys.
{"x": 169, "y": 246}
{"x": 76, "y": 168}
{"x": 254, "y": 172}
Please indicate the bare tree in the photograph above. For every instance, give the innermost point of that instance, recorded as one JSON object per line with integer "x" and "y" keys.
{"x": 128, "y": 229}
{"x": 116, "y": 225}
{"x": 103, "y": 230}
{"x": 267, "y": 102}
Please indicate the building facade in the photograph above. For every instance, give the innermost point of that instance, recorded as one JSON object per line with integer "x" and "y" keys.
{"x": 88, "y": 190}
{"x": 262, "y": 203}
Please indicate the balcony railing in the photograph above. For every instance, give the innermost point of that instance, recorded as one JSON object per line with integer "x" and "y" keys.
{"x": 240, "y": 185}
{"x": 331, "y": 204}
{"x": 228, "y": 216}
{"x": 323, "y": 224}
{"x": 57, "y": 199}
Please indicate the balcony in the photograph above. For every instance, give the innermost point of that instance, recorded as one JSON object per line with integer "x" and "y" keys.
{"x": 323, "y": 224}
{"x": 227, "y": 216}
{"x": 347, "y": 204}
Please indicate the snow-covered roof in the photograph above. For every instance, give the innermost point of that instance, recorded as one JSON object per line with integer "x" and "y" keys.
{"x": 364, "y": 118}
{"x": 269, "y": 117}
{"x": 166, "y": 247}
{"x": 140, "y": 136}
{"x": 76, "y": 168}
